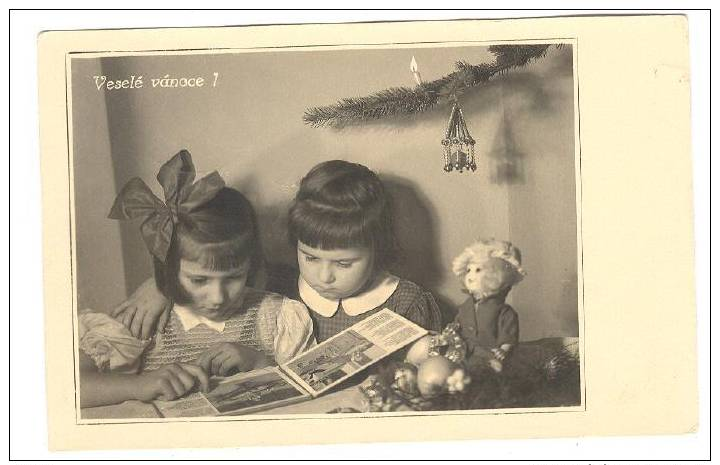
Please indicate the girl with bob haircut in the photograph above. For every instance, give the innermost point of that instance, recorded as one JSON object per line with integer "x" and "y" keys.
{"x": 206, "y": 250}
{"x": 341, "y": 225}
{"x": 341, "y": 205}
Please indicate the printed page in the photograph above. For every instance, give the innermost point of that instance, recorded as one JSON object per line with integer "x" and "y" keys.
{"x": 354, "y": 349}
{"x": 194, "y": 405}
{"x": 243, "y": 393}
{"x": 389, "y": 330}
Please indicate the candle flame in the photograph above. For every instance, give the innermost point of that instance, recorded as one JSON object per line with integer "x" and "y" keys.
{"x": 413, "y": 65}
{"x": 415, "y": 72}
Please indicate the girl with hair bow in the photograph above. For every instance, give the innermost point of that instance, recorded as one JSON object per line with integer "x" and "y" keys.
{"x": 206, "y": 252}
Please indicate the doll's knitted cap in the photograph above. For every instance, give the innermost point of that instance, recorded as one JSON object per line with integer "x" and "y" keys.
{"x": 485, "y": 249}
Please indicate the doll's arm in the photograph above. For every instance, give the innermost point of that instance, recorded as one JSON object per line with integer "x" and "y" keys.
{"x": 508, "y": 332}
{"x": 145, "y": 311}
{"x": 501, "y": 352}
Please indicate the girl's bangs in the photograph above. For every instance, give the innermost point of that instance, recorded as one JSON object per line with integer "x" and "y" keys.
{"x": 332, "y": 231}
{"x": 218, "y": 256}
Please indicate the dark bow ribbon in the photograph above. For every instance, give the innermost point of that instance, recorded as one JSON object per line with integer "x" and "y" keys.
{"x": 181, "y": 196}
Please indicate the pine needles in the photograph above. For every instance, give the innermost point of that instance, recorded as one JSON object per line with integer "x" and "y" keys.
{"x": 398, "y": 101}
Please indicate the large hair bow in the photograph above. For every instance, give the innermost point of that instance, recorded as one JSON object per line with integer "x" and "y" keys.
{"x": 176, "y": 177}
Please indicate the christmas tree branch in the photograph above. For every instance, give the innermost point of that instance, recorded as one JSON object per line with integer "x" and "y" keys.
{"x": 407, "y": 101}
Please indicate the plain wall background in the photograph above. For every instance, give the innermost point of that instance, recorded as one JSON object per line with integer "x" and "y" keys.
{"x": 250, "y": 128}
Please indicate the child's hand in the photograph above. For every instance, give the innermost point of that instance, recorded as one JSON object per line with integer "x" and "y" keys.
{"x": 170, "y": 382}
{"x": 227, "y": 358}
{"x": 145, "y": 311}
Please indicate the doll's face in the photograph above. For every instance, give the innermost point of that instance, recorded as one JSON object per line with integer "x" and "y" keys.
{"x": 488, "y": 277}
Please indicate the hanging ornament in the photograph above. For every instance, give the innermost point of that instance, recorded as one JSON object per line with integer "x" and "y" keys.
{"x": 458, "y": 145}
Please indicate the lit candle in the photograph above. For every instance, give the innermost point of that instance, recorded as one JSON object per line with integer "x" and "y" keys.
{"x": 414, "y": 71}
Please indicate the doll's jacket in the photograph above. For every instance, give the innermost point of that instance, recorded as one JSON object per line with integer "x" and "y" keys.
{"x": 488, "y": 323}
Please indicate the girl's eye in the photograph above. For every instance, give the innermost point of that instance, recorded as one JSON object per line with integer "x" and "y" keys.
{"x": 198, "y": 281}
{"x": 308, "y": 258}
{"x": 344, "y": 264}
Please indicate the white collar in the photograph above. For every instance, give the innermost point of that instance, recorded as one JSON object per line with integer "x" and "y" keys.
{"x": 190, "y": 319}
{"x": 384, "y": 286}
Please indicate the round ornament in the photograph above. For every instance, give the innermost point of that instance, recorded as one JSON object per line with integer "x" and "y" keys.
{"x": 433, "y": 374}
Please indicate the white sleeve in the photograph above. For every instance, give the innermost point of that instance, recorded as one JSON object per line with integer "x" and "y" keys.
{"x": 294, "y": 331}
{"x": 109, "y": 343}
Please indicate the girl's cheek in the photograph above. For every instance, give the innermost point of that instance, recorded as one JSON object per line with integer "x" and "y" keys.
{"x": 305, "y": 270}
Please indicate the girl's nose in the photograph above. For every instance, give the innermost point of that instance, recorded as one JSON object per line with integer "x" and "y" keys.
{"x": 217, "y": 294}
{"x": 327, "y": 275}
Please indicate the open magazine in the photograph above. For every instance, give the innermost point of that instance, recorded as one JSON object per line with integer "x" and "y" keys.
{"x": 306, "y": 376}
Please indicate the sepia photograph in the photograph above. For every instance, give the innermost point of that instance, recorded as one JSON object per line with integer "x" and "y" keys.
{"x": 408, "y": 231}
{"x": 234, "y": 208}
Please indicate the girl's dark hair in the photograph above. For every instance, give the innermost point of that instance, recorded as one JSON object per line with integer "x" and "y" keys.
{"x": 341, "y": 205}
{"x": 220, "y": 235}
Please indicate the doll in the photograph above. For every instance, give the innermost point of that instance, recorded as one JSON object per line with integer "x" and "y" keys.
{"x": 488, "y": 269}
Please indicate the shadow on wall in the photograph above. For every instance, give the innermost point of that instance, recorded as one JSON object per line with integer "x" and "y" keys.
{"x": 281, "y": 269}
{"x": 505, "y": 158}
{"x": 416, "y": 231}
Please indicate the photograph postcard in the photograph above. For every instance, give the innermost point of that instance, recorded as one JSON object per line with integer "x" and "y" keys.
{"x": 425, "y": 230}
